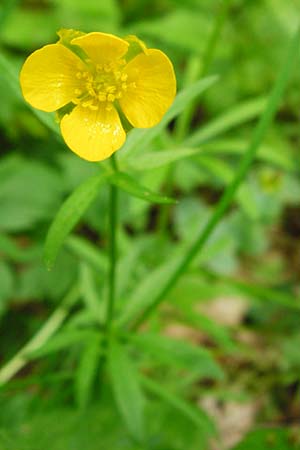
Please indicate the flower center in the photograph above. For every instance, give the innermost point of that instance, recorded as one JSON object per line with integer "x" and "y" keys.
{"x": 104, "y": 83}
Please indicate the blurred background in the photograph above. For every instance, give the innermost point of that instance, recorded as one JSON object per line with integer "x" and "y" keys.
{"x": 240, "y": 299}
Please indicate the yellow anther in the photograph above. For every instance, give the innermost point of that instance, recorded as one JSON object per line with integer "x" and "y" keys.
{"x": 111, "y": 89}
{"x": 105, "y": 84}
{"x": 111, "y": 97}
{"x": 91, "y": 90}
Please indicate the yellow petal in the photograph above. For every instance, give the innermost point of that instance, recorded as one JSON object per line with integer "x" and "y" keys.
{"x": 151, "y": 88}
{"x": 93, "y": 135}
{"x": 102, "y": 47}
{"x": 48, "y": 77}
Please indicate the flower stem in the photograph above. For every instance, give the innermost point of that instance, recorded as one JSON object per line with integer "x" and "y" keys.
{"x": 113, "y": 219}
{"x": 43, "y": 335}
{"x": 241, "y": 172}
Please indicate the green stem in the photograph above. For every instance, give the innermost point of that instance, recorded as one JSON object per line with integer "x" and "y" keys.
{"x": 197, "y": 69}
{"x": 241, "y": 173}
{"x": 113, "y": 219}
{"x": 43, "y": 335}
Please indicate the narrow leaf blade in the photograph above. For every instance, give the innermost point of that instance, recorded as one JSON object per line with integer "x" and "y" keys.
{"x": 179, "y": 353}
{"x": 244, "y": 112}
{"x": 153, "y": 160}
{"x": 198, "y": 417}
{"x": 142, "y": 297}
{"x": 68, "y": 216}
{"x": 87, "y": 371}
{"x": 126, "y": 389}
{"x": 62, "y": 341}
{"x": 128, "y": 184}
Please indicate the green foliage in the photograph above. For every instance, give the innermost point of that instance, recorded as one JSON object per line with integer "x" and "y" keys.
{"x": 130, "y": 185}
{"x": 126, "y": 389}
{"x": 275, "y": 438}
{"x": 180, "y": 354}
{"x": 195, "y": 415}
{"x": 69, "y": 214}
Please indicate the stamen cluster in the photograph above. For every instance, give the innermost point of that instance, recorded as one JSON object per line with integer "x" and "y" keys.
{"x": 101, "y": 83}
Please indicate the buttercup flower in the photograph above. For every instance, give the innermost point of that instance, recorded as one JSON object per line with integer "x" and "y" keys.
{"x": 94, "y": 81}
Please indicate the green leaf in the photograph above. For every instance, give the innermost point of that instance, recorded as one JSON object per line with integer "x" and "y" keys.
{"x": 40, "y": 338}
{"x": 69, "y": 214}
{"x": 179, "y": 353}
{"x": 142, "y": 137}
{"x": 86, "y": 372}
{"x": 63, "y": 340}
{"x": 126, "y": 268}
{"x": 88, "y": 252}
{"x": 198, "y": 417}
{"x": 153, "y": 160}
{"x": 126, "y": 389}
{"x": 237, "y": 115}
{"x": 142, "y": 297}
{"x": 22, "y": 203}
{"x": 222, "y": 170}
{"x": 216, "y": 331}
{"x": 262, "y": 439}
{"x": 128, "y": 184}
{"x": 90, "y": 294}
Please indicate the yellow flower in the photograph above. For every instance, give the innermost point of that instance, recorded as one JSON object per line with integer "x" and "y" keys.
{"x": 97, "y": 79}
